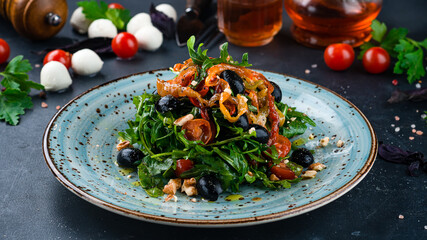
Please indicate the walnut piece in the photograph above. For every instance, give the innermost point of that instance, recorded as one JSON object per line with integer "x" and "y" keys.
{"x": 172, "y": 186}
{"x": 274, "y": 177}
{"x": 340, "y": 143}
{"x": 324, "y": 141}
{"x": 309, "y": 174}
{"x": 122, "y": 145}
{"x": 317, "y": 166}
{"x": 189, "y": 187}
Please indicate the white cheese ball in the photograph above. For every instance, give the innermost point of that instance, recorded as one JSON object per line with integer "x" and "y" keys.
{"x": 79, "y": 22}
{"x": 149, "y": 38}
{"x": 138, "y": 21}
{"x": 102, "y": 28}
{"x": 168, "y": 10}
{"x": 54, "y": 76}
{"x": 86, "y": 62}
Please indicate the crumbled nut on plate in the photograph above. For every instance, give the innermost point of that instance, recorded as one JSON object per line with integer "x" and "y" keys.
{"x": 193, "y": 200}
{"x": 340, "y": 143}
{"x": 274, "y": 177}
{"x": 324, "y": 141}
{"x": 189, "y": 187}
{"x": 122, "y": 145}
{"x": 172, "y": 186}
{"x": 311, "y": 136}
{"x": 182, "y": 120}
{"x": 317, "y": 166}
{"x": 309, "y": 174}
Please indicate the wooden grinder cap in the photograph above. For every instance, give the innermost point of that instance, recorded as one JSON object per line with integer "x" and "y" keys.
{"x": 35, "y": 19}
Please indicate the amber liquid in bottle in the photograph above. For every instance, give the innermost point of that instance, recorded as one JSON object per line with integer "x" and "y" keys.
{"x": 318, "y": 23}
{"x": 250, "y": 22}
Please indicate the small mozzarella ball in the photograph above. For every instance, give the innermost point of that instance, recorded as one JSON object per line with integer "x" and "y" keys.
{"x": 138, "y": 21}
{"x": 149, "y": 38}
{"x": 54, "y": 76}
{"x": 168, "y": 10}
{"x": 86, "y": 62}
{"x": 102, "y": 28}
{"x": 79, "y": 22}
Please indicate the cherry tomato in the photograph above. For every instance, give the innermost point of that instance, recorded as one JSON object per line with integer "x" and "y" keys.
{"x": 198, "y": 129}
{"x": 116, "y": 6}
{"x": 339, "y": 56}
{"x": 283, "y": 173}
{"x": 59, "y": 56}
{"x": 4, "y": 51}
{"x": 124, "y": 45}
{"x": 183, "y": 165}
{"x": 376, "y": 60}
{"x": 283, "y": 145}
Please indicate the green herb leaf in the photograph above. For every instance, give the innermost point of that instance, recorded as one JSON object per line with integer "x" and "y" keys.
{"x": 393, "y": 37}
{"x": 378, "y": 30}
{"x": 94, "y": 10}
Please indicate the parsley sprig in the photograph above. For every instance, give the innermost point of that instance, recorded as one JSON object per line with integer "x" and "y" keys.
{"x": 409, "y": 53}
{"x": 93, "y": 11}
{"x": 14, "y": 99}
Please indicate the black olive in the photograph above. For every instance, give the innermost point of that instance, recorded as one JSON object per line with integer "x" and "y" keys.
{"x": 262, "y": 135}
{"x": 277, "y": 93}
{"x": 302, "y": 156}
{"x": 129, "y": 157}
{"x": 167, "y": 103}
{"x": 242, "y": 122}
{"x": 235, "y": 81}
{"x": 209, "y": 187}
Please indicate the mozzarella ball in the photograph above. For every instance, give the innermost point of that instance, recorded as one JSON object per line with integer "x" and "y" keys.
{"x": 102, "y": 28}
{"x": 79, "y": 22}
{"x": 168, "y": 10}
{"x": 54, "y": 76}
{"x": 86, "y": 62}
{"x": 149, "y": 38}
{"x": 138, "y": 21}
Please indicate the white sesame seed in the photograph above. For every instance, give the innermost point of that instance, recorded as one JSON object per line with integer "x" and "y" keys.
{"x": 313, "y": 65}
{"x": 412, "y": 125}
{"x": 397, "y": 129}
{"x": 392, "y": 125}
{"x": 418, "y": 85}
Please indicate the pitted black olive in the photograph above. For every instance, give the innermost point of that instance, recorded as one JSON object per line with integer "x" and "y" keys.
{"x": 209, "y": 187}
{"x": 277, "y": 93}
{"x": 129, "y": 157}
{"x": 243, "y": 122}
{"x": 167, "y": 103}
{"x": 262, "y": 135}
{"x": 302, "y": 156}
{"x": 234, "y": 80}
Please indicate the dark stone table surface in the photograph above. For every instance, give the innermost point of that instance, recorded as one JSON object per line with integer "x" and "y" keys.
{"x": 34, "y": 205}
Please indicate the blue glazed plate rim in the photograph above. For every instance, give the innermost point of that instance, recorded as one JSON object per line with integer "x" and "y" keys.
{"x": 209, "y": 223}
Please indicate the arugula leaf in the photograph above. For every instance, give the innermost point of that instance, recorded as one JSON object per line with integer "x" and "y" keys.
{"x": 14, "y": 99}
{"x": 94, "y": 10}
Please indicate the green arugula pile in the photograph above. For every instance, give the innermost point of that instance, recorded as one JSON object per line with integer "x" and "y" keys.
{"x": 93, "y": 11}
{"x": 14, "y": 99}
{"x": 409, "y": 53}
{"x": 230, "y": 157}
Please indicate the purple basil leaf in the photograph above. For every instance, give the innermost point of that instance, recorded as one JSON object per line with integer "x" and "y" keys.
{"x": 161, "y": 21}
{"x": 415, "y": 160}
{"x": 411, "y": 95}
{"x": 100, "y": 45}
{"x": 413, "y": 168}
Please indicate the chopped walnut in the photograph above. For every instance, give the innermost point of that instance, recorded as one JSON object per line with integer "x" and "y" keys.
{"x": 340, "y": 143}
{"x": 189, "y": 187}
{"x": 171, "y": 196}
{"x": 122, "y": 145}
{"x": 311, "y": 136}
{"x": 172, "y": 186}
{"x": 324, "y": 141}
{"x": 308, "y": 174}
{"x": 182, "y": 120}
{"x": 317, "y": 166}
{"x": 274, "y": 177}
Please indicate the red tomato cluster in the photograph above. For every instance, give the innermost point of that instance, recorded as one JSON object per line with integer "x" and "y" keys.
{"x": 340, "y": 56}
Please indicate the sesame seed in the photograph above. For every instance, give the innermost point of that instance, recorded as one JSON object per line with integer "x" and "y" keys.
{"x": 313, "y": 65}
{"x": 411, "y": 138}
{"x": 392, "y": 125}
{"x": 401, "y": 216}
{"x": 397, "y": 129}
{"x": 412, "y": 125}
{"x": 418, "y": 85}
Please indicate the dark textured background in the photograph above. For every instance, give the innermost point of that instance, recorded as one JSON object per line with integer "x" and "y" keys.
{"x": 34, "y": 205}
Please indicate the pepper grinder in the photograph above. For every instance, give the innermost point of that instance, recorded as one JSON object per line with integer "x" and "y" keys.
{"x": 35, "y": 19}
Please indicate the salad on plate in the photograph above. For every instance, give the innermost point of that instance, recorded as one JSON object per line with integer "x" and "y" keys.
{"x": 213, "y": 127}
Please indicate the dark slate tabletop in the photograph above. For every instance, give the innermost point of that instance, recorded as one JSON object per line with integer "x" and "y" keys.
{"x": 34, "y": 205}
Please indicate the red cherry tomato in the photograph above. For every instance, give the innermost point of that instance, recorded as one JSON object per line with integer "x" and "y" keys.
{"x": 124, "y": 45}
{"x": 338, "y": 56}
{"x": 116, "y": 6}
{"x": 183, "y": 165}
{"x": 59, "y": 56}
{"x": 283, "y": 173}
{"x": 198, "y": 129}
{"x": 283, "y": 145}
{"x": 376, "y": 60}
{"x": 4, "y": 51}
